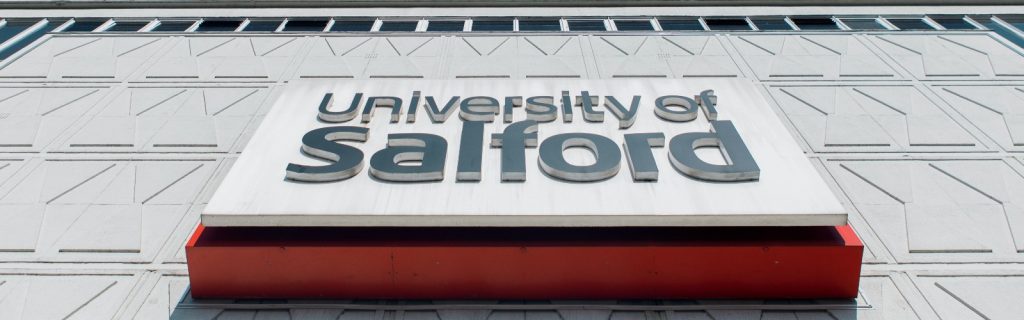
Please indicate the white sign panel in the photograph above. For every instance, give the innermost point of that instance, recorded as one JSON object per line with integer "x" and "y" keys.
{"x": 552, "y": 152}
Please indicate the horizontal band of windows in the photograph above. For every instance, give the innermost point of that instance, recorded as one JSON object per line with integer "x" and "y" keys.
{"x": 18, "y": 33}
{"x": 534, "y": 24}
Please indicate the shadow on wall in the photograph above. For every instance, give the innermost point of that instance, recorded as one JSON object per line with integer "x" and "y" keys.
{"x": 191, "y": 309}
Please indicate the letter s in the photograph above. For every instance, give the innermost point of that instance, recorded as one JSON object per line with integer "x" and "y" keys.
{"x": 320, "y": 143}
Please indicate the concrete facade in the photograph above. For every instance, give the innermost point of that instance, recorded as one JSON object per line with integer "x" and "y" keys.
{"x": 112, "y": 143}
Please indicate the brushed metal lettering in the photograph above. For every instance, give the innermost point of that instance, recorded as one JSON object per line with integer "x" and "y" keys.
{"x": 587, "y": 102}
{"x": 428, "y": 149}
{"x": 513, "y": 143}
{"x": 414, "y": 104}
{"x": 662, "y": 110}
{"x": 326, "y": 115}
{"x": 566, "y": 107}
{"x": 479, "y": 109}
{"x": 606, "y": 153}
{"x": 346, "y": 161}
{"x": 626, "y": 116}
{"x": 471, "y": 149}
{"x": 442, "y": 114}
{"x": 395, "y": 103}
{"x": 707, "y": 101}
{"x": 639, "y": 155}
{"x": 541, "y": 109}
{"x": 510, "y": 104}
{"x": 741, "y": 165}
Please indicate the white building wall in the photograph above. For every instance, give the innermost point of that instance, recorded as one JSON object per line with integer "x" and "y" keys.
{"x": 110, "y": 145}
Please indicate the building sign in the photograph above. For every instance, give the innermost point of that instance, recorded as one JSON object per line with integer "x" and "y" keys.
{"x": 639, "y": 152}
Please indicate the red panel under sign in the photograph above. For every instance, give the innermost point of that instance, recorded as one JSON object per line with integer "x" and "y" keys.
{"x": 525, "y": 263}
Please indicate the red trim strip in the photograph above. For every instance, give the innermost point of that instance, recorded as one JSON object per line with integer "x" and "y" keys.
{"x": 525, "y": 263}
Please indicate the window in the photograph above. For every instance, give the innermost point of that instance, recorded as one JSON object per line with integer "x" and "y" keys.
{"x": 954, "y": 23}
{"x": 219, "y": 26}
{"x": 911, "y": 24}
{"x": 634, "y": 25}
{"x": 84, "y": 25}
{"x": 127, "y": 26}
{"x": 398, "y": 26}
{"x": 27, "y": 39}
{"x": 1015, "y": 21}
{"x": 305, "y": 26}
{"x": 815, "y": 23}
{"x": 446, "y": 26}
{"x": 352, "y": 25}
{"x": 727, "y": 24}
{"x": 771, "y": 24}
{"x": 587, "y": 25}
{"x": 262, "y": 26}
{"x": 863, "y": 24}
{"x": 684, "y": 24}
{"x": 540, "y": 25}
{"x": 493, "y": 25}
{"x": 13, "y": 28}
{"x": 999, "y": 29}
{"x": 172, "y": 26}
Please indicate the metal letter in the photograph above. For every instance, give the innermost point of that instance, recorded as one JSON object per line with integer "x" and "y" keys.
{"x": 587, "y": 103}
{"x": 347, "y": 161}
{"x": 479, "y": 109}
{"x": 428, "y": 149}
{"x": 513, "y": 142}
{"x": 662, "y": 111}
{"x": 440, "y": 115}
{"x": 606, "y": 154}
{"x": 741, "y": 165}
{"x": 626, "y": 116}
{"x": 541, "y": 109}
{"x": 395, "y": 103}
{"x": 413, "y": 105}
{"x": 639, "y": 156}
{"x": 510, "y": 103}
{"x": 471, "y": 149}
{"x": 327, "y": 115}
{"x": 566, "y": 107}
{"x": 707, "y": 100}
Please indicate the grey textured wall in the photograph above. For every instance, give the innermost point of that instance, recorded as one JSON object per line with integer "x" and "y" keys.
{"x": 110, "y": 145}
